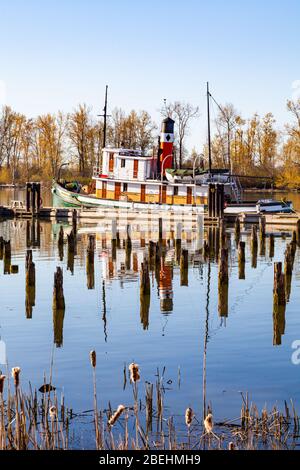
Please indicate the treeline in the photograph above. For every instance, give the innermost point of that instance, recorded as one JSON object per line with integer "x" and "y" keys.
{"x": 34, "y": 149}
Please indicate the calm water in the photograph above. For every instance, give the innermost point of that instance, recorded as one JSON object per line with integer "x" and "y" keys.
{"x": 241, "y": 355}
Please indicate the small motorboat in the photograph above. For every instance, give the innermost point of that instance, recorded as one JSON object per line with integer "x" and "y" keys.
{"x": 260, "y": 206}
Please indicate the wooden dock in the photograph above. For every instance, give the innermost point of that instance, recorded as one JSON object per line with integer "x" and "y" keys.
{"x": 67, "y": 213}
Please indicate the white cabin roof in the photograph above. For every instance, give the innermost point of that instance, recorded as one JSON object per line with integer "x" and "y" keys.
{"x": 123, "y": 152}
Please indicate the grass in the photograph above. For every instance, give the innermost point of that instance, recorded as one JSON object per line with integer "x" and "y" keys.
{"x": 30, "y": 422}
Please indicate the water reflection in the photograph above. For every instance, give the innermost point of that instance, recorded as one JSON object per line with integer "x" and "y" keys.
{"x": 199, "y": 296}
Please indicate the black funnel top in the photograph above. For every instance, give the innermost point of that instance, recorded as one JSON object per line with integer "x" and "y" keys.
{"x": 167, "y": 126}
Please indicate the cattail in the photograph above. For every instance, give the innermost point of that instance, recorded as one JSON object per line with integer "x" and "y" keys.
{"x": 189, "y": 414}
{"x": 114, "y": 418}
{"x": 2, "y": 380}
{"x": 231, "y": 446}
{"x": 52, "y": 412}
{"x": 208, "y": 423}
{"x": 134, "y": 372}
{"x": 93, "y": 358}
{"x": 15, "y": 373}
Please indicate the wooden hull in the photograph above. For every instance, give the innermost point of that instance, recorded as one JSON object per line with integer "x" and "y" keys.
{"x": 85, "y": 200}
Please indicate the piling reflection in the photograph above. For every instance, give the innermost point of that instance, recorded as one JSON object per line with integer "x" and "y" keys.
{"x": 132, "y": 254}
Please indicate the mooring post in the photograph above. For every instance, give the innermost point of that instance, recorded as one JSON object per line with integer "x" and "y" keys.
{"x": 223, "y": 283}
{"x": 241, "y": 259}
{"x": 237, "y": 230}
{"x": 254, "y": 245}
{"x": 1, "y": 248}
{"x": 128, "y": 248}
{"x": 28, "y": 190}
{"x": 74, "y": 221}
{"x": 271, "y": 246}
{"x": 298, "y": 232}
{"x": 7, "y": 257}
{"x": 38, "y": 196}
{"x": 145, "y": 291}
{"x": 145, "y": 287}
{"x": 30, "y": 284}
{"x": 178, "y": 241}
{"x": 279, "y": 303}
{"x": 160, "y": 229}
{"x": 58, "y": 290}
{"x": 262, "y": 227}
{"x": 279, "y": 285}
{"x": 223, "y": 238}
{"x": 90, "y": 262}
{"x": 184, "y": 268}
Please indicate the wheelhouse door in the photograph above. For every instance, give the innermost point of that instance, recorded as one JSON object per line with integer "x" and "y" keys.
{"x": 135, "y": 168}
{"x": 117, "y": 191}
{"x": 143, "y": 193}
{"x": 111, "y": 163}
{"x": 189, "y": 195}
{"x": 104, "y": 189}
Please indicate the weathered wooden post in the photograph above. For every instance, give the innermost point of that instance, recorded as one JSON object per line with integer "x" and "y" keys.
{"x": 58, "y": 290}
{"x": 262, "y": 235}
{"x": 30, "y": 284}
{"x": 160, "y": 229}
{"x": 298, "y": 232}
{"x": 38, "y": 196}
{"x": 262, "y": 227}
{"x": 254, "y": 246}
{"x": 294, "y": 245}
{"x": 114, "y": 239}
{"x": 1, "y": 248}
{"x": 7, "y": 257}
{"x": 211, "y": 200}
{"x": 178, "y": 241}
{"x": 58, "y": 307}
{"x": 71, "y": 250}
{"x": 237, "y": 230}
{"x": 184, "y": 268}
{"x": 128, "y": 249}
{"x": 74, "y": 221}
{"x": 271, "y": 246}
{"x": 28, "y": 191}
{"x": 279, "y": 285}
{"x": 151, "y": 254}
{"x": 144, "y": 279}
{"x": 206, "y": 250}
{"x": 210, "y": 203}
{"x": 90, "y": 262}
{"x": 33, "y": 199}
{"x": 145, "y": 291}
{"x": 223, "y": 238}
{"x": 279, "y": 304}
{"x": 60, "y": 243}
{"x": 223, "y": 283}
{"x": 242, "y": 260}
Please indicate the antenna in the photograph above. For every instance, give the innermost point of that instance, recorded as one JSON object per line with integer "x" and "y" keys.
{"x": 165, "y": 104}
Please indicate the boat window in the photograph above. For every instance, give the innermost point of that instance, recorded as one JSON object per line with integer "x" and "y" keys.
{"x": 175, "y": 191}
{"x": 123, "y": 163}
{"x": 125, "y": 187}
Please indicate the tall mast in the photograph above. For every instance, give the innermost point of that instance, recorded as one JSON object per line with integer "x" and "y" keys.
{"x": 208, "y": 128}
{"x": 105, "y": 118}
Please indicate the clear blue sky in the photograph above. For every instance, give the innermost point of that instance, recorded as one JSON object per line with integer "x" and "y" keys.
{"x": 55, "y": 54}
